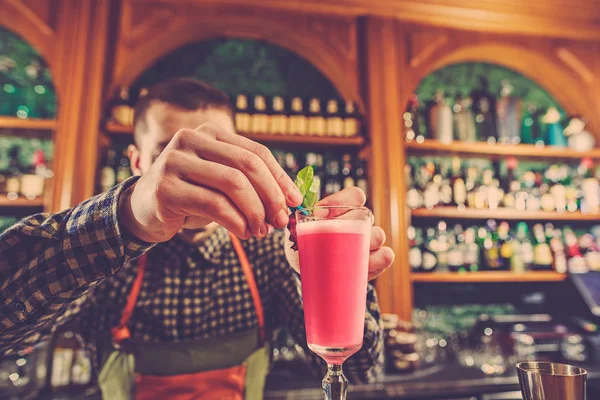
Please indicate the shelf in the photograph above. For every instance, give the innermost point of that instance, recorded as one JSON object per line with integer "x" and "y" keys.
{"x": 502, "y": 214}
{"x": 488, "y": 276}
{"x": 358, "y": 141}
{"x": 474, "y": 149}
{"x": 33, "y": 124}
{"x": 21, "y": 202}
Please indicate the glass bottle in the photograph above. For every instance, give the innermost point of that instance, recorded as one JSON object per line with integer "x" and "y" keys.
{"x": 259, "y": 118}
{"x": 278, "y": 121}
{"x": 298, "y": 121}
{"x": 121, "y": 111}
{"x": 335, "y": 123}
{"x": 484, "y": 107}
{"x": 508, "y": 115}
{"x": 108, "y": 174}
{"x": 317, "y": 126}
{"x": 464, "y": 120}
{"x": 352, "y": 123}
{"x": 542, "y": 254}
{"x": 441, "y": 120}
{"x": 242, "y": 116}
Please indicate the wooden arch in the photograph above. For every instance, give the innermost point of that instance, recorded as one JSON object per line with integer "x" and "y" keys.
{"x": 562, "y": 83}
{"x": 328, "y": 45}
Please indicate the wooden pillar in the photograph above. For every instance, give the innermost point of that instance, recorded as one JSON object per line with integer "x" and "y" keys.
{"x": 383, "y": 52}
{"x": 82, "y": 43}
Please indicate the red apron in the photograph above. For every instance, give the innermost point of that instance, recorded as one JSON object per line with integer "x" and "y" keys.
{"x": 229, "y": 382}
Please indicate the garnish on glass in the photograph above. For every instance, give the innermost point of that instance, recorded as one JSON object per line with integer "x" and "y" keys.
{"x": 309, "y": 186}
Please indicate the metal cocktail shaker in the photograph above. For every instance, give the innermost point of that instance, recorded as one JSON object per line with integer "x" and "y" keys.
{"x": 551, "y": 381}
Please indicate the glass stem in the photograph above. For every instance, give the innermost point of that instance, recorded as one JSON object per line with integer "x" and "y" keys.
{"x": 335, "y": 383}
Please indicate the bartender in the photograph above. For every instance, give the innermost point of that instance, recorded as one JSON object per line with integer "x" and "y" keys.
{"x": 169, "y": 301}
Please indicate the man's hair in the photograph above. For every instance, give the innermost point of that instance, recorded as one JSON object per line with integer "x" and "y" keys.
{"x": 184, "y": 93}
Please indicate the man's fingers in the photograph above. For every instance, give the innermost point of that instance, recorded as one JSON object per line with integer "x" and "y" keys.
{"x": 379, "y": 261}
{"x": 202, "y": 202}
{"x": 351, "y": 196}
{"x": 377, "y": 238}
{"x": 256, "y": 171}
{"x": 291, "y": 192}
{"x": 229, "y": 181}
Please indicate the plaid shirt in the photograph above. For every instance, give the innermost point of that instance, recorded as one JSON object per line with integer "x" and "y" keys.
{"x": 78, "y": 266}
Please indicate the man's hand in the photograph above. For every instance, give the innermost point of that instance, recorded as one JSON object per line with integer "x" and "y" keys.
{"x": 380, "y": 258}
{"x": 209, "y": 175}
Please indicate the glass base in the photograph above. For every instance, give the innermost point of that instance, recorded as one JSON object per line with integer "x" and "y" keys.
{"x": 335, "y": 384}
{"x": 334, "y": 355}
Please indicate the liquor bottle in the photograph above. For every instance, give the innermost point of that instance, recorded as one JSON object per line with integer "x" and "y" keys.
{"x": 415, "y": 255}
{"x": 347, "y": 171}
{"x": 456, "y": 252}
{"x": 335, "y": 123}
{"x": 542, "y": 254}
{"x": 317, "y": 126}
{"x": 32, "y": 182}
{"x": 429, "y": 252}
{"x": 506, "y": 247}
{"x": 298, "y": 121}
{"x": 558, "y": 251}
{"x": 589, "y": 186}
{"x": 279, "y": 120}
{"x": 464, "y": 120}
{"x": 332, "y": 170}
{"x": 242, "y": 116}
{"x": 526, "y": 252}
{"x": 508, "y": 114}
{"x": 351, "y": 120}
{"x": 575, "y": 260}
{"x": 528, "y": 125}
{"x": 123, "y": 170}
{"x": 121, "y": 111}
{"x": 361, "y": 176}
{"x": 440, "y": 119}
{"x": 443, "y": 247}
{"x": 259, "y": 118}
{"x": 471, "y": 255}
{"x": 14, "y": 171}
{"x": 491, "y": 245}
{"x": 484, "y": 106}
{"x": 554, "y": 135}
{"x": 445, "y": 185}
{"x": 414, "y": 197}
{"x": 108, "y": 174}
{"x": 459, "y": 190}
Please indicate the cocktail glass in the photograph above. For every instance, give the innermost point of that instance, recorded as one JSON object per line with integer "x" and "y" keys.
{"x": 333, "y": 246}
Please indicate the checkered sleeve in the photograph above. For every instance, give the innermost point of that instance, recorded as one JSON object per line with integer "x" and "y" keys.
{"x": 47, "y": 261}
{"x": 366, "y": 365}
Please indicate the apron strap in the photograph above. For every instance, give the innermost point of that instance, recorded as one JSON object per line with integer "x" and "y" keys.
{"x": 247, "y": 269}
{"x": 121, "y": 332}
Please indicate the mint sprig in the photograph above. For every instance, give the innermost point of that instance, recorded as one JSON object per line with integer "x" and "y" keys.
{"x": 309, "y": 186}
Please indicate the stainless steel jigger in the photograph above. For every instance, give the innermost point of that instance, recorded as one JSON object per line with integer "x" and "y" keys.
{"x": 550, "y": 381}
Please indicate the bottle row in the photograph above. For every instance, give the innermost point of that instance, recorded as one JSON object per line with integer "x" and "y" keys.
{"x": 483, "y": 184}
{"x": 275, "y": 115}
{"x": 336, "y": 171}
{"x": 482, "y": 116}
{"x": 502, "y": 247}
{"x": 24, "y": 168}
{"x": 26, "y": 89}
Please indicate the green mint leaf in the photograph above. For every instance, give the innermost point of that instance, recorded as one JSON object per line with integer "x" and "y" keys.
{"x": 304, "y": 179}
{"x": 312, "y": 195}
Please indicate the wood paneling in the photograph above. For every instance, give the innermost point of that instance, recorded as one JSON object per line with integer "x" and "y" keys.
{"x": 151, "y": 29}
{"x": 489, "y": 276}
{"x": 83, "y": 29}
{"x": 578, "y": 19}
{"x": 384, "y": 56}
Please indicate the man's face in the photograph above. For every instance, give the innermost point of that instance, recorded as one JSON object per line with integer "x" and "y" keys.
{"x": 162, "y": 122}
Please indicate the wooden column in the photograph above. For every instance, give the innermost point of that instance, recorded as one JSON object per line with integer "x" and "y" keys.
{"x": 383, "y": 52}
{"x": 80, "y": 59}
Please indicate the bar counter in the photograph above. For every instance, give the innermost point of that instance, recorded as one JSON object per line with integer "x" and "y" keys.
{"x": 448, "y": 381}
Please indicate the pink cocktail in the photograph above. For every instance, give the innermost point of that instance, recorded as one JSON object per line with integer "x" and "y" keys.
{"x": 333, "y": 245}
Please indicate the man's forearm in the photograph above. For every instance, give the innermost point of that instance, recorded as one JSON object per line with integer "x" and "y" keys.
{"x": 48, "y": 260}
